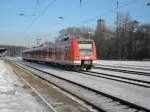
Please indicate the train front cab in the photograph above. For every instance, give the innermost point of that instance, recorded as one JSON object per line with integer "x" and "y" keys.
{"x": 84, "y": 53}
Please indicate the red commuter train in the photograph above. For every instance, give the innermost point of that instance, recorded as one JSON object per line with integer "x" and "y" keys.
{"x": 72, "y": 53}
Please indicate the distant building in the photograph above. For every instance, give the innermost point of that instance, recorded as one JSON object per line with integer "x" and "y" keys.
{"x": 102, "y": 31}
{"x": 13, "y": 50}
{"x": 101, "y": 25}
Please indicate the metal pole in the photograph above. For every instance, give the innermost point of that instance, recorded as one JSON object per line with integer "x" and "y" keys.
{"x": 38, "y": 41}
{"x": 117, "y": 35}
{"x": 117, "y": 18}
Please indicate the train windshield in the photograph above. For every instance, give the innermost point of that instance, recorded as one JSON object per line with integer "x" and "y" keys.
{"x": 85, "y": 48}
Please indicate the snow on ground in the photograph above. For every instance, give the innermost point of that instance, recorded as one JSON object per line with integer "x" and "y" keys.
{"x": 134, "y": 94}
{"x": 139, "y": 66}
{"x": 13, "y": 98}
{"x": 127, "y": 63}
{"x": 126, "y": 75}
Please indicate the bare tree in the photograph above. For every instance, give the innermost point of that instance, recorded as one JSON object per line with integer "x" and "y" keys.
{"x": 78, "y": 32}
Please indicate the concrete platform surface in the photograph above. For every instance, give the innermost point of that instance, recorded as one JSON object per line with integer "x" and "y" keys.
{"x": 14, "y": 95}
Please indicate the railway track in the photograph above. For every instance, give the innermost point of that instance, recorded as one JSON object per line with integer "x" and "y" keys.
{"x": 36, "y": 92}
{"x": 122, "y": 70}
{"x": 52, "y": 107}
{"x": 135, "y": 67}
{"x": 108, "y": 103}
{"x": 41, "y": 97}
{"x": 132, "y": 81}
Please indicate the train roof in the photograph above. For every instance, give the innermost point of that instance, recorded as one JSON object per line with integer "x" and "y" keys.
{"x": 47, "y": 44}
{"x": 65, "y": 39}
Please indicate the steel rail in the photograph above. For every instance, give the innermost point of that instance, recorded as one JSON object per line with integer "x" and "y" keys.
{"x": 126, "y": 67}
{"x": 123, "y": 102}
{"x": 124, "y": 71}
{"x": 43, "y": 99}
{"x": 112, "y": 77}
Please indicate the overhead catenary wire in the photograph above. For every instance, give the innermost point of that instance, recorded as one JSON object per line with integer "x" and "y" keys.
{"x": 36, "y": 5}
{"x": 35, "y": 19}
{"x": 84, "y": 21}
{"x": 37, "y": 2}
{"x": 106, "y": 13}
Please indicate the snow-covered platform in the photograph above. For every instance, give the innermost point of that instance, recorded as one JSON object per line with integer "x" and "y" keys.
{"x": 14, "y": 96}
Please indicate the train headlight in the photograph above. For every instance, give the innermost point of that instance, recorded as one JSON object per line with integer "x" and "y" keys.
{"x": 86, "y": 57}
{"x": 76, "y": 57}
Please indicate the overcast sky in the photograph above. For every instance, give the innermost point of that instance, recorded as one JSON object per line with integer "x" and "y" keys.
{"x": 23, "y": 21}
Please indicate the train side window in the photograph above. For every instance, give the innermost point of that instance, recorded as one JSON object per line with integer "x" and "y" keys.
{"x": 53, "y": 52}
{"x": 50, "y": 52}
{"x": 44, "y": 53}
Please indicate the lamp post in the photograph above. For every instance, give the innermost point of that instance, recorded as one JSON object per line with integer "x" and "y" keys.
{"x": 117, "y": 18}
{"x": 148, "y": 4}
{"x": 89, "y": 33}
